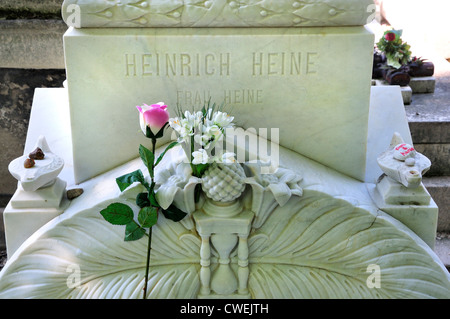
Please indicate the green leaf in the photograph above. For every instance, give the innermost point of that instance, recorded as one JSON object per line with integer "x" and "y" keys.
{"x": 148, "y": 216}
{"x": 126, "y": 180}
{"x": 171, "y": 145}
{"x": 152, "y": 199}
{"x": 174, "y": 213}
{"x": 142, "y": 200}
{"x": 133, "y": 232}
{"x": 147, "y": 157}
{"x": 118, "y": 214}
{"x": 199, "y": 169}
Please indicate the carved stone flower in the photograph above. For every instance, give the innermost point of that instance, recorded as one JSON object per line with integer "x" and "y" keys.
{"x": 271, "y": 190}
{"x": 176, "y": 185}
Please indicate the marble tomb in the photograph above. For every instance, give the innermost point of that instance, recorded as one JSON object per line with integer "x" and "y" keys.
{"x": 342, "y": 212}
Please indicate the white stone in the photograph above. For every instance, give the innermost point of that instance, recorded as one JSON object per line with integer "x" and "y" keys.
{"x": 288, "y": 256}
{"x": 403, "y": 163}
{"x": 327, "y": 192}
{"x": 425, "y": 84}
{"x": 218, "y": 13}
{"x": 387, "y": 116}
{"x": 405, "y": 90}
{"x": 28, "y": 211}
{"x": 412, "y": 206}
{"x": 110, "y": 71}
{"x": 43, "y": 173}
{"x": 46, "y": 197}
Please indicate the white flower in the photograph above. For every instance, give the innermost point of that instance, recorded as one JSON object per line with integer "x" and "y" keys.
{"x": 200, "y": 157}
{"x": 222, "y": 119}
{"x": 228, "y": 158}
{"x": 212, "y": 129}
{"x": 183, "y": 128}
{"x": 193, "y": 119}
{"x": 203, "y": 140}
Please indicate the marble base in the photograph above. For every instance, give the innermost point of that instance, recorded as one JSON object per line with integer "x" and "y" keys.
{"x": 414, "y": 207}
{"x": 335, "y": 214}
{"x": 29, "y": 211}
{"x": 323, "y": 243}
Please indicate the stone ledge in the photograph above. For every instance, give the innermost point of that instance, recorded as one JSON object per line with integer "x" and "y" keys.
{"x": 32, "y": 44}
{"x": 439, "y": 157}
{"x": 44, "y": 6}
{"x": 430, "y": 132}
{"x": 442, "y": 248}
{"x": 2, "y": 231}
{"x": 405, "y": 90}
{"x": 421, "y": 85}
{"x": 439, "y": 188}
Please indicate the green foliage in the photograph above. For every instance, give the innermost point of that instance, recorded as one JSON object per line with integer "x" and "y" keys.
{"x": 133, "y": 232}
{"x": 126, "y": 180}
{"x": 142, "y": 200}
{"x": 397, "y": 52}
{"x": 171, "y": 145}
{"x": 173, "y": 213}
{"x": 148, "y": 216}
{"x": 118, "y": 214}
{"x": 122, "y": 214}
{"x": 148, "y": 158}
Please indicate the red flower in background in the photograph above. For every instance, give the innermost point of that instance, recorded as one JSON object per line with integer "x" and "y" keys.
{"x": 390, "y": 36}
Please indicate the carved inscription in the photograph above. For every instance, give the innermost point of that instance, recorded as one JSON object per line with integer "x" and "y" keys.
{"x": 177, "y": 64}
{"x": 220, "y": 64}
{"x": 283, "y": 63}
{"x": 228, "y": 96}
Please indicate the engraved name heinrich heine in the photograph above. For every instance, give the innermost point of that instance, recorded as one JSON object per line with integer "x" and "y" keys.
{"x": 220, "y": 64}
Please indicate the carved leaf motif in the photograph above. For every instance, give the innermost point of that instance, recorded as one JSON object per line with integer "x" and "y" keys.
{"x": 323, "y": 247}
{"x": 87, "y": 246}
{"x": 218, "y": 13}
{"x": 315, "y": 246}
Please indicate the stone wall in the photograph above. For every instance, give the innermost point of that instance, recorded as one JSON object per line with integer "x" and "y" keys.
{"x": 31, "y": 56}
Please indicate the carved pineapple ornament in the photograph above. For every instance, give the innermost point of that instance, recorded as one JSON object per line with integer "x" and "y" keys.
{"x": 223, "y": 182}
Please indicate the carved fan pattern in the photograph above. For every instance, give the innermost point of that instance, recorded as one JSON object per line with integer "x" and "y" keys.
{"x": 315, "y": 246}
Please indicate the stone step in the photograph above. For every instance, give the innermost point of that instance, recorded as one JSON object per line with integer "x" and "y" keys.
{"x": 439, "y": 189}
{"x": 442, "y": 248}
{"x": 417, "y": 85}
{"x": 13, "y": 9}
{"x": 32, "y": 44}
{"x": 429, "y": 121}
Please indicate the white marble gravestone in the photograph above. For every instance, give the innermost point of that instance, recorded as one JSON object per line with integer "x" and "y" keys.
{"x": 292, "y": 79}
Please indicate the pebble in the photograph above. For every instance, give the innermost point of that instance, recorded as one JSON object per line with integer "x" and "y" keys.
{"x": 74, "y": 193}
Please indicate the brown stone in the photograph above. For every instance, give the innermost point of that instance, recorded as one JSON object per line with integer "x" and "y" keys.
{"x": 29, "y": 163}
{"x": 37, "y": 154}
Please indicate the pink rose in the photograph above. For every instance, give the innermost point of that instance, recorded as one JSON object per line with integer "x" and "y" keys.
{"x": 390, "y": 36}
{"x": 154, "y": 116}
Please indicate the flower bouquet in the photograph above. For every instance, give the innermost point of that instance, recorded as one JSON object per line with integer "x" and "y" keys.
{"x": 397, "y": 54}
{"x": 202, "y": 136}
